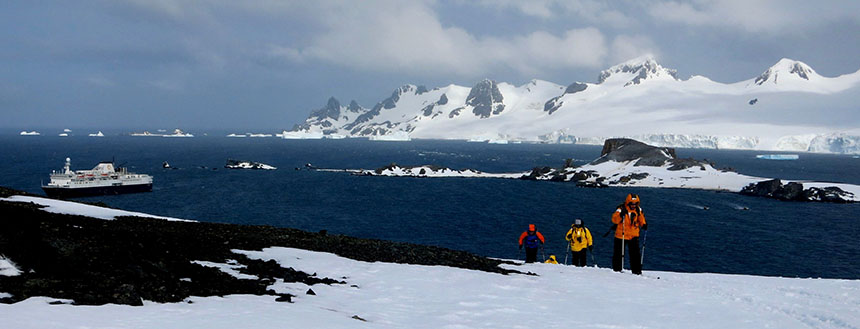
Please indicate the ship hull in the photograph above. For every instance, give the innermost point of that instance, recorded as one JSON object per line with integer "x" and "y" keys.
{"x": 67, "y": 192}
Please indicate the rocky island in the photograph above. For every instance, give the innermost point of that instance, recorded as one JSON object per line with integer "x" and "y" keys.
{"x": 629, "y": 163}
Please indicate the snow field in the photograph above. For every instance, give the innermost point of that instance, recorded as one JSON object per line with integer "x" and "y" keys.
{"x": 390, "y": 295}
{"x": 74, "y": 208}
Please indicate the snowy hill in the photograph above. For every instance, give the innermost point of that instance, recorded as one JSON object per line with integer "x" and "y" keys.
{"x": 638, "y": 99}
{"x": 233, "y": 276}
{"x": 386, "y": 295}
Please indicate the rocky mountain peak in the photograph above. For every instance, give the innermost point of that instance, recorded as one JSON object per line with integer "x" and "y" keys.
{"x": 331, "y": 110}
{"x": 786, "y": 68}
{"x": 354, "y": 107}
{"x": 642, "y": 68}
{"x": 485, "y": 99}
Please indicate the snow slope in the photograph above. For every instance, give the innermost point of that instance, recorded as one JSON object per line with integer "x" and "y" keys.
{"x": 639, "y": 99}
{"x": 386, "y": 295}
{"x": 75, "y": 208}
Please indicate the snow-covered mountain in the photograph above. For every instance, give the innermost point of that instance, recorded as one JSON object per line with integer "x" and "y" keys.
{"x": 786, "y": 107}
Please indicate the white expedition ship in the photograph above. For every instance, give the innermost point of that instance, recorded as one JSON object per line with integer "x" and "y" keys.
{"x": 103, "y": 179}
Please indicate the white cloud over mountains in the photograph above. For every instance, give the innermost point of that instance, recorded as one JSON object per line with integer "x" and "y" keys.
{"x": 769, "y": 16}
{"x": 420, "y": 39}
{"x": 409, "y": 37}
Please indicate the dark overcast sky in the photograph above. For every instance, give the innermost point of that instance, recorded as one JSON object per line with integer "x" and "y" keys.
{"x": 262, "y": 65}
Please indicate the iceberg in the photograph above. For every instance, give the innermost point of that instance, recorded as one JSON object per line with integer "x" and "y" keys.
{"x": 30, "y": 133}
{"x": 146, "y": 134}
{"x": 98, "y": 134}
{"x": 777, "y": 156}
{"x": 179, "y": 133}
{"x": 334, "y": 136}
{"x": 397, "y": 136}
{"x": 300, "y": 135}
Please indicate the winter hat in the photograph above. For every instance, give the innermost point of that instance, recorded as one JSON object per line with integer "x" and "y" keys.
{"x": 532, "y": 227}
{"x": 632, "y": 198}
{"x": 577, "y": 222}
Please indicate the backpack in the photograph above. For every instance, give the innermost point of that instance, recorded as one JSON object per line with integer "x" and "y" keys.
{"x": 531, "y": 241}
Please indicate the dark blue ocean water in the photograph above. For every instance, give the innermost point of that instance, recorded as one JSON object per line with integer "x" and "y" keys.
{"x": 484, "y": 216}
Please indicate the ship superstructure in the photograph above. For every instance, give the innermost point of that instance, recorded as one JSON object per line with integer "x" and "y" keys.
{"x": 103, "y": 179}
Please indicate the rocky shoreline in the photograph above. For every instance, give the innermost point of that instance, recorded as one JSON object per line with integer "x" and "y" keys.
{"x": 90, "y": 261}
{"x": 630, "y": 163}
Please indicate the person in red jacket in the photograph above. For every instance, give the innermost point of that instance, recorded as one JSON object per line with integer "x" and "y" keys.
{"x": 628, "y": 219}
{"x": 532, "y": 240}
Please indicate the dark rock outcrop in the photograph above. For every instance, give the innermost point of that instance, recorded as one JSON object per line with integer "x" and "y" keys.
{"x": 555, "y": 103}
{"x": 623, "y": 149}
{"x": 575, "y": 88}
{"x": 331, "y": 110}
{"x": 794, "y": 191}
{"x": 354, "y": 107}
{"x": 125, "y": 261}
{"x": 485, "y": 99}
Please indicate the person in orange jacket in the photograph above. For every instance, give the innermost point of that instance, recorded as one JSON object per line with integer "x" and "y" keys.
{"x": 533, "y": 240}
{"x": 628, "y": 219}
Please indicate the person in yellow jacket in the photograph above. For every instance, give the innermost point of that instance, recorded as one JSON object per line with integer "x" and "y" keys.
{"x": 551, "y": 260}
{"x": 628, "y": 219}
{"x": 580, "y": 242}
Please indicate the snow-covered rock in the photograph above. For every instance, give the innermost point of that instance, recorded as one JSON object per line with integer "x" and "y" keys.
{"x": 8, "y": 268}
{"x": 430, "y": 171}
{"x": 636, "y": 71}
{"x": 637, "y": 99}
{"x": 630, "y": 163}
{"x": 239, "y": 164}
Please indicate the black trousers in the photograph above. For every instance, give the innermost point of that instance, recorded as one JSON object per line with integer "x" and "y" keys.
{"x": 635, "y": 258}
{"x": 531, "y": 255}
{"x": 579, "y": 258}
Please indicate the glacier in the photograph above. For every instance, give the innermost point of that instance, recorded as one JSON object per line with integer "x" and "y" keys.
{"x": 788, "y": 107}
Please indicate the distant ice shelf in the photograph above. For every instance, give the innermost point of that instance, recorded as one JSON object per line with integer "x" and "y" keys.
{"x": 777, "y": 156}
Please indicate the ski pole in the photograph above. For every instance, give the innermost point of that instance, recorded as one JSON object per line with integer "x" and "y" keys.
{"x": 622, "y": 242}
{"x": 592, "y": 256}
{"x": 542, "y": 253}
{"x": 566, "y": 252}
{"x": 610, "y": 230}
{"x": 644, "y": 238}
